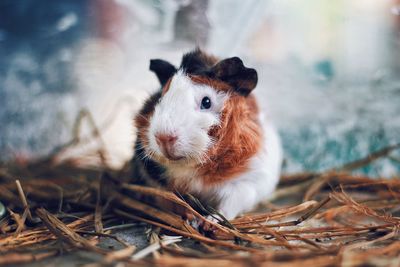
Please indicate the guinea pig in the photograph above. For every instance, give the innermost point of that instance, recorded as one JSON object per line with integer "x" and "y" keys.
{"x": 202, "y": 133}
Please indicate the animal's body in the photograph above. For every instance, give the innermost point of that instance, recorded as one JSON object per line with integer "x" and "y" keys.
{"x": 203, "y": 134}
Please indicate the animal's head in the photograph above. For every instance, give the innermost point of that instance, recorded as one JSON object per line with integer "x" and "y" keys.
{"x": 194, "y": 104}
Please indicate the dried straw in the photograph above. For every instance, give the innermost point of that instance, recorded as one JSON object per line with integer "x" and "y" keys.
{"x": 341, "y": 219}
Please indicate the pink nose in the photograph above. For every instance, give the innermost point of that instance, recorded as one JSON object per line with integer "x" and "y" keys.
{"x": 166, "y": 141}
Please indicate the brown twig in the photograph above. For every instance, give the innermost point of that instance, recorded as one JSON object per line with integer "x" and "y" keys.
{"x": 368, "y": 159}
{"x": 65, "y": 233}
{"x": 23, "y": 199}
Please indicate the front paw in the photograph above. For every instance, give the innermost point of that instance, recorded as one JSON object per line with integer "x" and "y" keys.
{"x": 209, "y": 225}
{"x": 205, "y": 225}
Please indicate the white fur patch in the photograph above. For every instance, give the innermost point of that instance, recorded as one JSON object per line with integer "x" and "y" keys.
{"x": 178, "y": 113}
{"x": 247, "y": 190}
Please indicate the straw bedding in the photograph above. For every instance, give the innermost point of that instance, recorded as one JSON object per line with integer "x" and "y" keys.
{"x": 333, "y": 218}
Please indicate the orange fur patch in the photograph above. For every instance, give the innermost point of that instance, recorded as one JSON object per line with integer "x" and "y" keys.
{"x": 217, "y": 85}
{"x": 238, "y": 138}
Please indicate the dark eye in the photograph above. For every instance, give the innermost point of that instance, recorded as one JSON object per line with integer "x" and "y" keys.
{"x": 205, "y": 103}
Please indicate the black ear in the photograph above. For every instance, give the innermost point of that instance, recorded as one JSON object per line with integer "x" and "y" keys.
{"x": 233, "y": 72}
{"x": 163, "y": 69}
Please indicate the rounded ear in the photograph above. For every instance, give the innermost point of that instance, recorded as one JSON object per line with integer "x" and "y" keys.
{"x": 232, "y": 71}
{"x": 163, "y": 69}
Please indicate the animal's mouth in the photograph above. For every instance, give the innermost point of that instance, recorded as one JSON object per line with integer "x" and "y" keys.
{"x": 174, "y": 158}
{"x": 170, "y": 155}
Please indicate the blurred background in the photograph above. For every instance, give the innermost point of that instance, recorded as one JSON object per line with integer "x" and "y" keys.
{"x": 329, "y": 71}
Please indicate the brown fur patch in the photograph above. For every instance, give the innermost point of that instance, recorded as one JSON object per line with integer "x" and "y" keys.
{"x": 215, "y": 84}
{"x": 238, "y": 138}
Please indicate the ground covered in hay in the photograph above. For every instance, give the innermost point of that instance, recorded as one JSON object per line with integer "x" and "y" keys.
{"x": 65, "y": 214}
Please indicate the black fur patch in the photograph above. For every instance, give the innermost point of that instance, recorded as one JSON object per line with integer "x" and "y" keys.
{"x": 197, "y": 62}
{"x": 163, "y": 69}
{"x": 146, "y": 171}
{"x": 150, "y": 104}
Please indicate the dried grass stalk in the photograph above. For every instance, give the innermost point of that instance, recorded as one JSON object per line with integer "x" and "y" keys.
{"x": 342, "y": 219}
